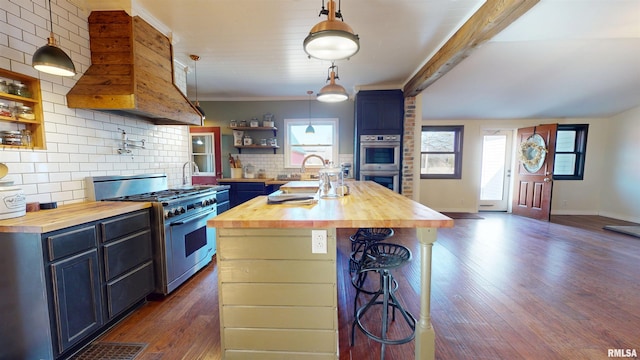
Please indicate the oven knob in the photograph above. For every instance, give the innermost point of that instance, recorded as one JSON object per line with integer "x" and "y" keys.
{"x": 175, "y": 212}
{"x": 168, "y": 214}
{"x": 182, "y": 210}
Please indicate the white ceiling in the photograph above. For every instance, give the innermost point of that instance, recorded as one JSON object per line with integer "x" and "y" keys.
{"x": 563, "y": 58}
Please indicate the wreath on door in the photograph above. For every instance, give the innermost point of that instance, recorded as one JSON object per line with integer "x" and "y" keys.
{"x": 533, "y": 153}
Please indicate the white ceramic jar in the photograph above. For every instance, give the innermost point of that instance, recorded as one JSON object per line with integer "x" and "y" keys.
{"x": 13, "y": 203}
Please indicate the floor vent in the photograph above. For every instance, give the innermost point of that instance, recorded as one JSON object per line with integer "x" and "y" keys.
{"x": 110, "y": 351}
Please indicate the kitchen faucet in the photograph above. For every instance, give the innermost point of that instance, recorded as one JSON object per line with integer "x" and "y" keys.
{"x": 307, "y": 158}
{"x": 184, "y": 174}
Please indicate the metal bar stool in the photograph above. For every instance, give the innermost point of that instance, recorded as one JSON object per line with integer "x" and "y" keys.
{"x": 360, "y": 242}
{"x": 381, "y": 258}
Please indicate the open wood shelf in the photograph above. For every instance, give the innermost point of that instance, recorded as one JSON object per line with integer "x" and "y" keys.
{"x": 35, "y": 126}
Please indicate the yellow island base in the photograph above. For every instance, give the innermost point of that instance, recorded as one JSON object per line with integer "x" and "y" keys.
{"x": 278, "y": 293}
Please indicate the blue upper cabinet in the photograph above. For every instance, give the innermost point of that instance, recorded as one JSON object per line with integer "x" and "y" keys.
{"x": 379, "y": 112}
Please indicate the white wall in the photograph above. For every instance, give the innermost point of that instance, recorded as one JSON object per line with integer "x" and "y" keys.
{"x": 621, "y": 172}
{"x": 79, "y": 143}
{"x": 586, "y": 197}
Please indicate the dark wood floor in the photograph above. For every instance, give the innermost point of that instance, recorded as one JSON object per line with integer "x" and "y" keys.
{"x": 504, "y": 287}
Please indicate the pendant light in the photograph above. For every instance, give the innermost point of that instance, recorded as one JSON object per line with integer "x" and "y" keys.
{"x": 195, "y": 58}
{"x": 332, "y": 92}
{"x": 310, "y": 129}
{"x": 50, "y": 58}
{"x": 331, "y": 39}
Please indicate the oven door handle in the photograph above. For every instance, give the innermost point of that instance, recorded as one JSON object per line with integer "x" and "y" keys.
{"x": 184, "y": 221}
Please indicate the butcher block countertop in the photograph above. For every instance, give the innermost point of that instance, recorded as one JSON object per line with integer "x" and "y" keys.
{"x": 368, "y": 205}
{"x": 267, "y": 181}
{"x": 69, "y": 215}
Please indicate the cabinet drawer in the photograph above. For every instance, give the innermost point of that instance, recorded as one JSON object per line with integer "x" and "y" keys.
{"x": 123, "y": 225}
{"x": 70, "y": 242}
{"x": 222, "y": 207}
{"x": 129, "y": 289}
{"x": 250, "y": 186}
{"x": 127, "y": 253}
{"x": 222, "y": 196}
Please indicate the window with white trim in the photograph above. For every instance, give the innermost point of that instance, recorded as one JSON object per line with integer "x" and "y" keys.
{"x": 298, "y": 144}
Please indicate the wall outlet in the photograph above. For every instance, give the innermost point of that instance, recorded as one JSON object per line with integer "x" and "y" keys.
{"x": 319, "y": 241}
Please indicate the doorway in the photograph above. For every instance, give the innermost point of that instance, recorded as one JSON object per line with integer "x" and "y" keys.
{"x": 495, "y": 177}
{"x": 533, "y": 179}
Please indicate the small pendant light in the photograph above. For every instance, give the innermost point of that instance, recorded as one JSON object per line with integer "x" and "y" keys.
{"x": 331, "y": 39}
{"x": 310, "y": 129}
{"x": 195, "y": 58}
{"x": 332, "y": 92}
{"x": 50, "y": 58}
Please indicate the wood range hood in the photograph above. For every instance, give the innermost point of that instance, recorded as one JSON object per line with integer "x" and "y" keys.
{"x": 131, "y": 73}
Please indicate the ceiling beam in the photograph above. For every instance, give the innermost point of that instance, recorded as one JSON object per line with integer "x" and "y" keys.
{"x": 491, "y": 18}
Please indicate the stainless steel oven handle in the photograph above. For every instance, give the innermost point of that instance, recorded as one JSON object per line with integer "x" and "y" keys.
{"x": 193, "y": 218}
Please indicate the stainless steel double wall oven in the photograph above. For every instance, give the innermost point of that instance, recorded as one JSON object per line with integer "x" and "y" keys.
{"x": 380, "y": 157}
{"x": 182, "y": 242}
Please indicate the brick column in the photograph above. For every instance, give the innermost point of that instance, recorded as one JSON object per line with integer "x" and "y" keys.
{"x": 408, "y": 146}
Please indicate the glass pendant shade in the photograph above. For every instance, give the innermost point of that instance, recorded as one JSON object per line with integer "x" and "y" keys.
{"x": 331, "y": 39}
{"x": 332, "y": 92}
{"x": 310, "y": 130}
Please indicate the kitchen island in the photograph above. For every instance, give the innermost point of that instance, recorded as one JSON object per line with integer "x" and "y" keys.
{"x": 278, "y": 292}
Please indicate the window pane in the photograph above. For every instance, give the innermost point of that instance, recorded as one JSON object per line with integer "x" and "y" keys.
{"x": 202, "y": 144}
{"x": 438, "y": 164}
{"x": 565, "y": 141}
{"x": 298, "y": 153}
{"x": 204, "y": 162}
{"x": 493, "y": 167}
{"x": 438, "y": 141}
{"x": 323, "y": 135}
{"x": 565, "y": 164}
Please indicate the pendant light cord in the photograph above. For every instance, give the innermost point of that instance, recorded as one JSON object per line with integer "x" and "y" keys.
{"x": 52, "y": 39}
{"x": 195, "y": 72}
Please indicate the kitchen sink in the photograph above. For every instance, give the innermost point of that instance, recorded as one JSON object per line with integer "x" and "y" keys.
{"x": 294, "y": 187}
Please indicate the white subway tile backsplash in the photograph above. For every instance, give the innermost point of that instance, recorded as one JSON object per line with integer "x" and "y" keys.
{"x": 59, "y": 176}
{"x": 62, "y": 196}
{"x": 13, "y": 19}
{"x": 45, "y": 167}
{"x": 25, "y": 4}
{"x": 32, "y": 156}
{"x": 71, "y": 185}
{"x": 79, "y": 143}
{"x": 11, "y": 54}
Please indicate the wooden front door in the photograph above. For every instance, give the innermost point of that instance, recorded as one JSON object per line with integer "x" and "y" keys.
{"x": 533, "y": 182}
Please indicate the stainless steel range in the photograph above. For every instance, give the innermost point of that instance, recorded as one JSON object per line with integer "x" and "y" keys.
{"x": 182, "y": 242}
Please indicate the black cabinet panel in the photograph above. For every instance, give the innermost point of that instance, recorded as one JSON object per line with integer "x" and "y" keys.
{"x": 244, "y": 191}
{"x": 123, "y": 225}
{"x": 222, "y": 196}
{"x": 129, "y": 289}
{"x": 379, "y": 112}
{"x": 76, "y": 294}
{"x": 89, "y": 282}
{"x": 125, "y": 254}
{"x": 223, "y": 206}
{"x": 70, "y": 242}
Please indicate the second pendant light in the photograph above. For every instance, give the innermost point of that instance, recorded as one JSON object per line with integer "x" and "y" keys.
{"x": 332, "y": 92}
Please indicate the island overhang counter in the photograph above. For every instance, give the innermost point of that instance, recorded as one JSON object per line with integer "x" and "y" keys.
{"x": 278, "y": 294}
